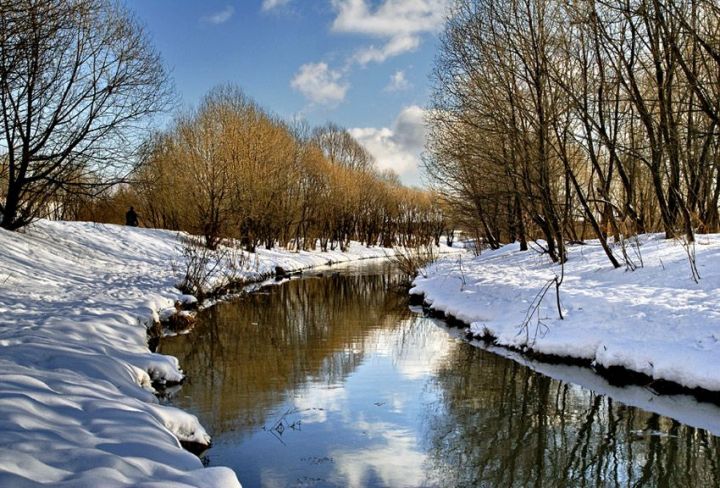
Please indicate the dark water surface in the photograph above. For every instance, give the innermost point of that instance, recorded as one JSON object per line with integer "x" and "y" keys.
{"x": 334, "y": 381}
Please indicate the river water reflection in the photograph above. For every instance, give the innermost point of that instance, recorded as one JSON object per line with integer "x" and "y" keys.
{"x": 334, "y": 381}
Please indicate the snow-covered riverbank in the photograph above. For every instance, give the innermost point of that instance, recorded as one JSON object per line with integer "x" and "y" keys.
{"x": 77, "y": 407}
{"x": 655, "y": 320}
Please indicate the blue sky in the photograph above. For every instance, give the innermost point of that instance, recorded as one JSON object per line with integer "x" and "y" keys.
{"x": 364, "y": 64}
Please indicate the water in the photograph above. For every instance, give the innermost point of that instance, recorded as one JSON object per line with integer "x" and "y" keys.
{"x": 334, "y": 381}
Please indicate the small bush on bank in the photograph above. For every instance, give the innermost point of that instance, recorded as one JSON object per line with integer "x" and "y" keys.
{"x": 411, "y": 260}
{"x": 210, "y": 272}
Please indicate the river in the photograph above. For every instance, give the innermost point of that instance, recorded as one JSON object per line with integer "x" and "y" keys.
{"x": 334, "y": 380}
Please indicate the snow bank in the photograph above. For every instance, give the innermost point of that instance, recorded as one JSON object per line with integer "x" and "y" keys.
{"x": 655, "y": 320}
{"x": 77, "y": 407}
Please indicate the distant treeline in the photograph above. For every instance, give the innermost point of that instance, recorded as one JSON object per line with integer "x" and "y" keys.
{"x": 230, "y": 170}
{"x": 565, "y": 120}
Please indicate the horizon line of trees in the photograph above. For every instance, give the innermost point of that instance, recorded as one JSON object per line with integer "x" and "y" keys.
{"x": 561, "y": 120}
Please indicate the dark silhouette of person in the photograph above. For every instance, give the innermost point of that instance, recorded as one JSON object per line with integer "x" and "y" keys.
{"x": 131, "y": 218}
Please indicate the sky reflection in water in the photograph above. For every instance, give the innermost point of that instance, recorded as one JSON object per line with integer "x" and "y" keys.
{"x": 335, "y": 382}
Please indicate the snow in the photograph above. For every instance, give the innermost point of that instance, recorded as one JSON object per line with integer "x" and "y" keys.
{"x": 77, "y": 405}
{"x": 655, "y": 320}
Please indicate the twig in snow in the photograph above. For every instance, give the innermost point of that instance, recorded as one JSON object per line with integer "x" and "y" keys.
{"x": 462, "y": 273}
{"x": 534, "y": 310}
{"x": 690, "y": 251}
{"x": 558, "y": 282}
{"x": 541, "y": 328}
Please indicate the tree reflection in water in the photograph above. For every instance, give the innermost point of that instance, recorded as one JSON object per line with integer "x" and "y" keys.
{"x": 505, "y": 425}
{"x": 406, "y": 404}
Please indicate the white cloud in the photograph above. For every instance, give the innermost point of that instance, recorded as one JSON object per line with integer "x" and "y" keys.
{"x": 395, "y": 46}
{"x": 399, "y": 23}
{"x": 320, "y": 84}
{"x": 268, "y": 5}
{"x": 398, "y": 82}
{"x": 390, "y": 18}
{"x": 398, "y": 147}
{"x": 220, "y": 17}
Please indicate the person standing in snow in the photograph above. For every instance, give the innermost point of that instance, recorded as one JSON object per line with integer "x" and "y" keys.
{"x": 131, "y": 218}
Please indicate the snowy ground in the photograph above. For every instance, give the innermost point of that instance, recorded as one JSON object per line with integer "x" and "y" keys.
{"x": 77, "y": 407}
{"x": 655, "y": 320}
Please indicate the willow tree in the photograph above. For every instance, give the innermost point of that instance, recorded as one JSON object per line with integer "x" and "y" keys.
{"x": 77, "y": 79}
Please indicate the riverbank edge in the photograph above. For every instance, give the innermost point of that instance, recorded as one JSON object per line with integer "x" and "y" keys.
{"x": 232, "y": 291}
{"x": 615, "y": 375}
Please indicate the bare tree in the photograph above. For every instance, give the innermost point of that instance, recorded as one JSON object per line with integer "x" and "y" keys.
{"x": 77, "y": 79}
{"x": 341, "y": 148}
{"x": 553, "y": 117}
